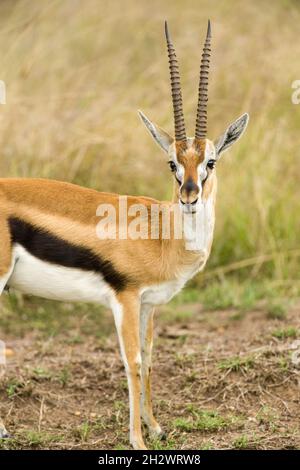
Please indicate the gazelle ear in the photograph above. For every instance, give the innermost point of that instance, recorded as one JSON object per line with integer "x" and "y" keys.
{"x": 232, "y": 134}
{"x": 161, "y": 137}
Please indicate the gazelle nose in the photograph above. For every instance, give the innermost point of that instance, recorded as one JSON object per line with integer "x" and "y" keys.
{"x": 189, "y": 192}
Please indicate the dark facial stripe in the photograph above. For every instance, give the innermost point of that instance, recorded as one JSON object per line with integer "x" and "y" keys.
{"x": 178, "y": 181}
{"x": 49, "y": 247}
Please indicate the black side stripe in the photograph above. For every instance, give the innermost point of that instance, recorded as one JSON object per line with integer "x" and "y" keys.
{"x": 48, "y": 247}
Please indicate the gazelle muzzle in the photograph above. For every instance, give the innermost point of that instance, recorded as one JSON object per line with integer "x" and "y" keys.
{"x": 189, "y": 192}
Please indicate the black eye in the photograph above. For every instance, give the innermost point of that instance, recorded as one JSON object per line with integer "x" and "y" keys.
{"x": 211, "y": 164}
{"x": 172, "y": 166}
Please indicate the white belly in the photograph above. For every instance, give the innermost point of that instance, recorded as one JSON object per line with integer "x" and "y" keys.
{"x": 161, "y": 293}
{"x": 34, "y": 276}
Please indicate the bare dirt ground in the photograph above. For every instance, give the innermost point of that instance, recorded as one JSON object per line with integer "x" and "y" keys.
{"x": 222, "y": 379}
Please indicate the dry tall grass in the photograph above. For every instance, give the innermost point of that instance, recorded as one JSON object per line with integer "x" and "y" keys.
{"x": 76, "y": 72}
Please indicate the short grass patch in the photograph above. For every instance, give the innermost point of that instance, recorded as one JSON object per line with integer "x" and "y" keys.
{"x": 205, "y": 421}
{"x": 237, "y": 363}
{"x": 284, "y": 333}
{"x": 241, "y": 442}
{"x": 276, "y": 311}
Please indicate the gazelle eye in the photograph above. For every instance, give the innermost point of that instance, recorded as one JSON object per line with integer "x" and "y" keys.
{"x": 173, "y": 167}
{"x": 211, "y": 164}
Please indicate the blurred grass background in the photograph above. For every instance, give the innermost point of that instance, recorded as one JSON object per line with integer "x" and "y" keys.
{"x": 76, "y": 72}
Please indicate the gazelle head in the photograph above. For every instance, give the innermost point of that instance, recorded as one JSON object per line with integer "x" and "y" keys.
{"x": 192, "y": 160}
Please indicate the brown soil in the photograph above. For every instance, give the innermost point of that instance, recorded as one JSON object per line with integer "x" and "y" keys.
{"x": 70, "y": 392}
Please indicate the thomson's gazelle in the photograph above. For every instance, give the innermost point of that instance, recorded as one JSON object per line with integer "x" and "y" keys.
{"x": 50, "y": 244}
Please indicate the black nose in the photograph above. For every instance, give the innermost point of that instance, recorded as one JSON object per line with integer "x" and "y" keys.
{"x": 189, "y": 186}
{"x": 189, "y": 192}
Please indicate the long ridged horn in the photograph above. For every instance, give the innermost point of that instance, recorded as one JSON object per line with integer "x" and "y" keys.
{"x": 180, "y": 134}
{"x": 201, "y": 119}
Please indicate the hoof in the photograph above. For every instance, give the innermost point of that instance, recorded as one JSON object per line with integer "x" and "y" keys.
{"x": 157, "y": 433}
{"x": 162, "y": 436}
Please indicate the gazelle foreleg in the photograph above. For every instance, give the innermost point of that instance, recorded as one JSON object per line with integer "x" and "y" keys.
{"x": 146, "y": 338}
{"x": 126, "y": 313}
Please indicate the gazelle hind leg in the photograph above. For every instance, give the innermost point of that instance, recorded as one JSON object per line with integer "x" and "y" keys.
{"x": 146, "y": 338}
{"x": 126, "y": 313}
{"x": 6, "y": 268}
{"x": 3, "y": 280}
